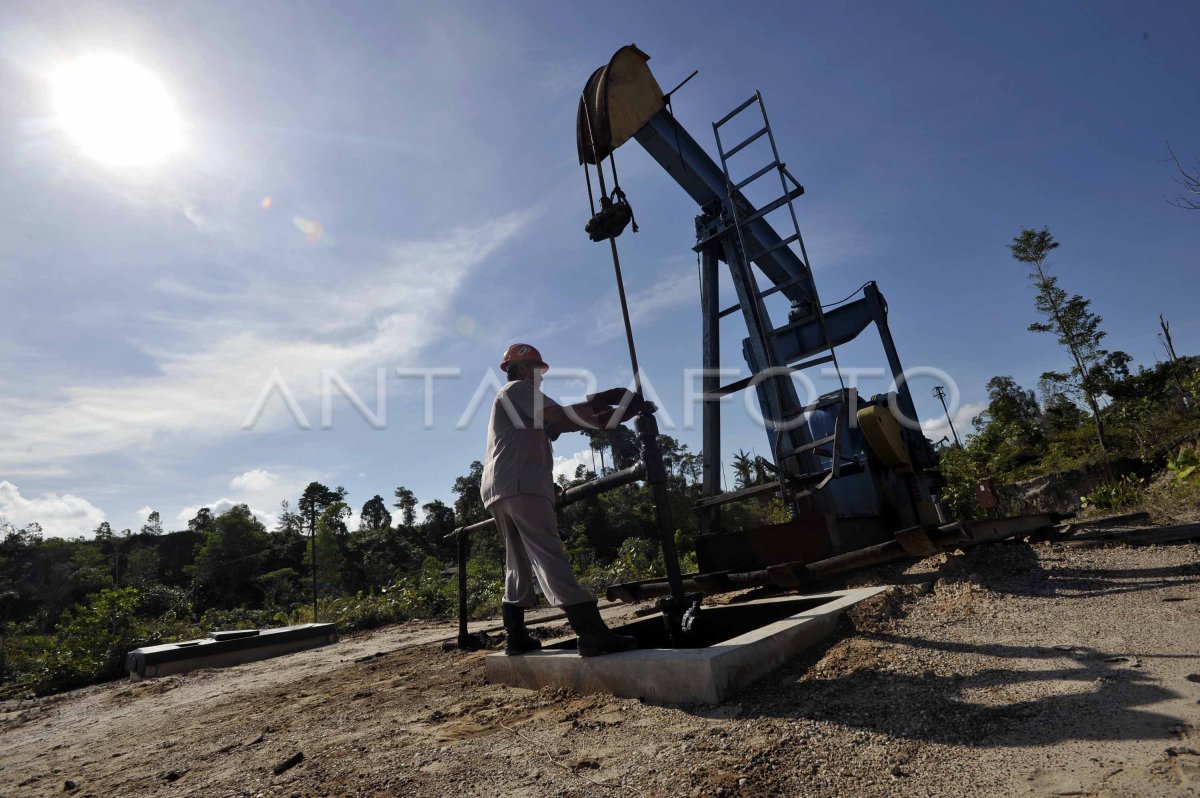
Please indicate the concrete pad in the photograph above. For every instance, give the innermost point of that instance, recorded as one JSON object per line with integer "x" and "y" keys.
{"x": 225, "y": 649}
{"x": 692, "y": 675}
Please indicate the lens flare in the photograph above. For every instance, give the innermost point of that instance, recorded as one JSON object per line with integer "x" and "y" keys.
{"x": 314, "y": 231}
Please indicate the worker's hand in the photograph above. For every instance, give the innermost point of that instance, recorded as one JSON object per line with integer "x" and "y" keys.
{"x": 636, "y": 408}
{"x": 613, "y": 396}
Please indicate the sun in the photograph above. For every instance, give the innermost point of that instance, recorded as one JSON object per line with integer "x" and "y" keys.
{"x": 116, "y": 111}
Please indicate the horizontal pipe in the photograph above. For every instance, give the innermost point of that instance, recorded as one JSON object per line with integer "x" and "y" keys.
{"x": 605, "y": 483}
{"x": 592, "y": 487}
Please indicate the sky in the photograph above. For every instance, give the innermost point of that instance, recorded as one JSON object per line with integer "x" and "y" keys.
{"x": 361, "y": 191}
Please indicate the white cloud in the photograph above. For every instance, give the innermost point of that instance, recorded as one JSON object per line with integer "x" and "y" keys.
{"x": 60, "y": 515}
{"x": 565, "y": 466}
{"x": 936, "y": 427}
{"x": 220, "y": 506}
{"x": 211, "y": 369}
{"x": 669, "y": 291}
{"x": 257, "y": 479}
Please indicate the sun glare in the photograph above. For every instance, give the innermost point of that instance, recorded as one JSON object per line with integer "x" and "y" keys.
{"x": 116, "y": 111}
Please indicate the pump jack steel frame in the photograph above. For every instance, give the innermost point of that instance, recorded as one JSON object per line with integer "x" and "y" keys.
{"x": 841, "y": 492}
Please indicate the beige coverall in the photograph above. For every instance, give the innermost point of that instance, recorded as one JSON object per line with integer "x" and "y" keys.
{"x": 518, "y": 490}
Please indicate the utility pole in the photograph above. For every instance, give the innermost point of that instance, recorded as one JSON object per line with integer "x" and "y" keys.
{"x": 940, "y": 393}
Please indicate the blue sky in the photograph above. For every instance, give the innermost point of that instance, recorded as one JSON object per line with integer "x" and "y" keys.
{"x": 145, "y": 309}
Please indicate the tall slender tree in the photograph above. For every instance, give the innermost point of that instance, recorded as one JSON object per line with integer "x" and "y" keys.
{"x": 315, "y": 499}
{"x": 406, "y": 503}
{"x": 153, "y": 525}
{"x": 1069, "y": 318}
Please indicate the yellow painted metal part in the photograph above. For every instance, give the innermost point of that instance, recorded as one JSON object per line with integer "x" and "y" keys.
{"x": 882, "y": 431}
{"x": 633, "y": 94}
{"x": 618, "y": 100}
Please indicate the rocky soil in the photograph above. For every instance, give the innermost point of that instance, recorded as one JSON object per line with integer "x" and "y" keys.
{"x": 1008, "y": 669}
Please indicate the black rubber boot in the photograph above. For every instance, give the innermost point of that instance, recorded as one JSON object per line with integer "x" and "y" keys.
{"x": 594, "y": 637}
{"x": 518, "y": 639}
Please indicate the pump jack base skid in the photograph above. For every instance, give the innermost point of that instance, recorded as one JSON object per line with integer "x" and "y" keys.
{"x": 912, "y": 543}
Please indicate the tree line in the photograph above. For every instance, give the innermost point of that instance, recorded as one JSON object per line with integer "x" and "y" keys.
{"x": 1091, "y": 413}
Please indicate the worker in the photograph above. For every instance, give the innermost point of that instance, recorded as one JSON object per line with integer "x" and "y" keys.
{"x": 518, "y": 490}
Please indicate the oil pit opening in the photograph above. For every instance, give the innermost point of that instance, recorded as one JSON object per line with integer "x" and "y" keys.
{"x": 714, "y": 625}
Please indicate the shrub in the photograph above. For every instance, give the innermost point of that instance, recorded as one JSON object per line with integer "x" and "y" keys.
{"x": 93, "y": 638}
{"x": 1184, "y": 466}
{"x": 1114, "y": 494}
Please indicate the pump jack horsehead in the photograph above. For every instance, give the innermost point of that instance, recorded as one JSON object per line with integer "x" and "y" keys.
{"x": 861, "y": 485}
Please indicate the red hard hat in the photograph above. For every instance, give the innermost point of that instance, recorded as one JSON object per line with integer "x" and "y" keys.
{"x": 518, "y": 353}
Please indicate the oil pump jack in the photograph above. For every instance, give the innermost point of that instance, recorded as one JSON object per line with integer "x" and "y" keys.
{"x": 860, "y": 483}
{"x": 852, "y": 473}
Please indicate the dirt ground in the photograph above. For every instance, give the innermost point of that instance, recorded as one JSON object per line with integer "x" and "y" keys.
{"x": 1009, "y": 669}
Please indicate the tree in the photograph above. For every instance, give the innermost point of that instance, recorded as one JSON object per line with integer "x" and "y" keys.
{"x": 1059, "y": 413}
{"x": 153, "y": 525}
{"x": 597, "y": 442}
{"x": 468, "y": 507}
{"x": 439, "y": 522}
{"x": 1009, "y": 403}
{"x": 1074, "y": 325}
{"x": 624, "y": 447}
{"x": 375, "y": 515}
{"x": 1190, "y": 182}
{"x": 229, "y": 559}
{"x": 202, "y": 522}
{"x": 330, "y": 562}
{"x": 111, "y": 543}
{"x": 743, "y": 470}
{"x": 142, "y": 569}
{"x": 1173, "y": 361}
{"x": 280, "y": 587}
{"x": 290, "y": 523}
{"x": 315, "y": 499}
{"x": 406, "y": 503}
{"x": 378, "y": 555}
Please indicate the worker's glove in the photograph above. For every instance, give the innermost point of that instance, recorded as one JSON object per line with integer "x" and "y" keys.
{"x": 636, "y": 408}
{"x": 604, "y": 399}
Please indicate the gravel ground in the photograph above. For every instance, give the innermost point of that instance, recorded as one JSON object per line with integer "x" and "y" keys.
{"x": 1005, "y": 670}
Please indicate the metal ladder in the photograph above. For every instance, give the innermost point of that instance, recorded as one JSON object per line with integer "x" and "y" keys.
{"x": 737, "y": 204}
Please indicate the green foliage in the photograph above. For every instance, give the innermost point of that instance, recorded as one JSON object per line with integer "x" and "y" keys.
{"x": 1184, "y": 466}
{"x": 963, "y": 473}
{"x": 230, "y": 557}
{"x": 1074, "y": 325}
{"x": 406, "y": 503}
{"x": 1114, "y": 494}
{"x": 429, "y": 593}
{"x": 92, "y": 640}
{"x": 330, "y": 560}
{"x": 374, "y": 514}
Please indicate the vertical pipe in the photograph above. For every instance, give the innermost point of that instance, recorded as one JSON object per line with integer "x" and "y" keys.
{"x": 464, "y": 639}
{"x": 710, "y": 382}
{"x": 656, "y": 479}
{"x": 633, "y": 361}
